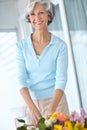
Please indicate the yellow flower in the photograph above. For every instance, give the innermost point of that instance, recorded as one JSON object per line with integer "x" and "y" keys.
{"x": 68, "y": 125}
{"x": 57, "y": 127}
{"x": 54, "y": 115}
{"x": 78, "y": 126}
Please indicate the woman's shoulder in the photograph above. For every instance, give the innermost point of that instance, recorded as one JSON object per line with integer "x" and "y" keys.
{"x": 24, "y": 41}
{"x": 58, "y": 41}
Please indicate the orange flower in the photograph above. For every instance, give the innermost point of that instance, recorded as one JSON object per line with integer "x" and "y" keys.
{"x": 61, "y": 117}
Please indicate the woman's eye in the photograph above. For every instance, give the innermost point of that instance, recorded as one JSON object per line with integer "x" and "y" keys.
{"x": 32, "y": 14}
{"x": 41, "y": 12}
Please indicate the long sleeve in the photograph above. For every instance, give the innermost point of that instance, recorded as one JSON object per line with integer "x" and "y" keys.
{"x": 62, "y": 65}
{"x": 21, "y": 68}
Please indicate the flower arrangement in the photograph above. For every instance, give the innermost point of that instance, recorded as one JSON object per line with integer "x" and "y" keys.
{"x": 59, "y": 121}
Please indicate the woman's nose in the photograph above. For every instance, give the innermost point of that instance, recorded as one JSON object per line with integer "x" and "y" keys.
{"x": 37, "y": 16}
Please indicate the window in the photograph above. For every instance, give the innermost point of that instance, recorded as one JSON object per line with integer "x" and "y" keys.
{"x": 9, "y": 97}
{"x": 7, "y": 54}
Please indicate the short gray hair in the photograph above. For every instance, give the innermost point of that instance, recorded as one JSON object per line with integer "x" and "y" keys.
{"x": 50, "y": 8}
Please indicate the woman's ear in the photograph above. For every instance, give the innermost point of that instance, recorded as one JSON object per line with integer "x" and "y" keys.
{"x": 49, "y": 19}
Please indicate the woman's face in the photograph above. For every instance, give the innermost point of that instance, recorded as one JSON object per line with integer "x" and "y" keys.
{"x": 39, "y": 17}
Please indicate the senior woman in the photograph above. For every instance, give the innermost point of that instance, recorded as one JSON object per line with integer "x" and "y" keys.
{"x": 42, "y": 62}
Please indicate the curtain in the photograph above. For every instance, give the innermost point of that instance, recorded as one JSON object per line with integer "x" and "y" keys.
{"x": 76, "y": 11}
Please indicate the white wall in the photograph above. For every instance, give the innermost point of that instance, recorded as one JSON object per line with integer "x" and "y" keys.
{"x": 24, "y": 27}
{"x": 8, "y": 15}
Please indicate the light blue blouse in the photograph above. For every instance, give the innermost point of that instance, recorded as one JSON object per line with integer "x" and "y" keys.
{"x": 43, "y": 74}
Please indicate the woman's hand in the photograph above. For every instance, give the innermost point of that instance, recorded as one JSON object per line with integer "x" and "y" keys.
{"x": 49, "y": 112}
{"x": 55, "y": 101}
{"x": 35, "y": 115}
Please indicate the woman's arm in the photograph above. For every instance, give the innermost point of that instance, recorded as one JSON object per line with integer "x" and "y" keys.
{"x": 33, "y": 109}
{"x": 61, "y": 78}
{"x": 55, "y": 101}
{"x": 22, "y": 78}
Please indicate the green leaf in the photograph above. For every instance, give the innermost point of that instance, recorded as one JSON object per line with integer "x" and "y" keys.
{"x": 33, "y": 129}
{"x": 21, "y": 120}
{"x": 49, "y": 128}
{"x": 85, "y": 124}
{"x": 41, "y": 125}
{"x": 22, "y": 128}
{"x": 41, "y": 121}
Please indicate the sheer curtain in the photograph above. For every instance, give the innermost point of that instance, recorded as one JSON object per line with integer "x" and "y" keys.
{"x": 76, "y": 11}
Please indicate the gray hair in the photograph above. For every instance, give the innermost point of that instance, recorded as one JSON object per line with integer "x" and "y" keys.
{"x": 50, "y": 8}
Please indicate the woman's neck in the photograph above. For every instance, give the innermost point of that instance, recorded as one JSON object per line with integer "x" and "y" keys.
{"x": 41, "y": 36}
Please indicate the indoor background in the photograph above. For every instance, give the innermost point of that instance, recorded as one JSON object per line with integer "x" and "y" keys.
{"x": 70, "y": 24}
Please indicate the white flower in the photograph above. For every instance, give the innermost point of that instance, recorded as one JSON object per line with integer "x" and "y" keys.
{"x": 48, "y": 122}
